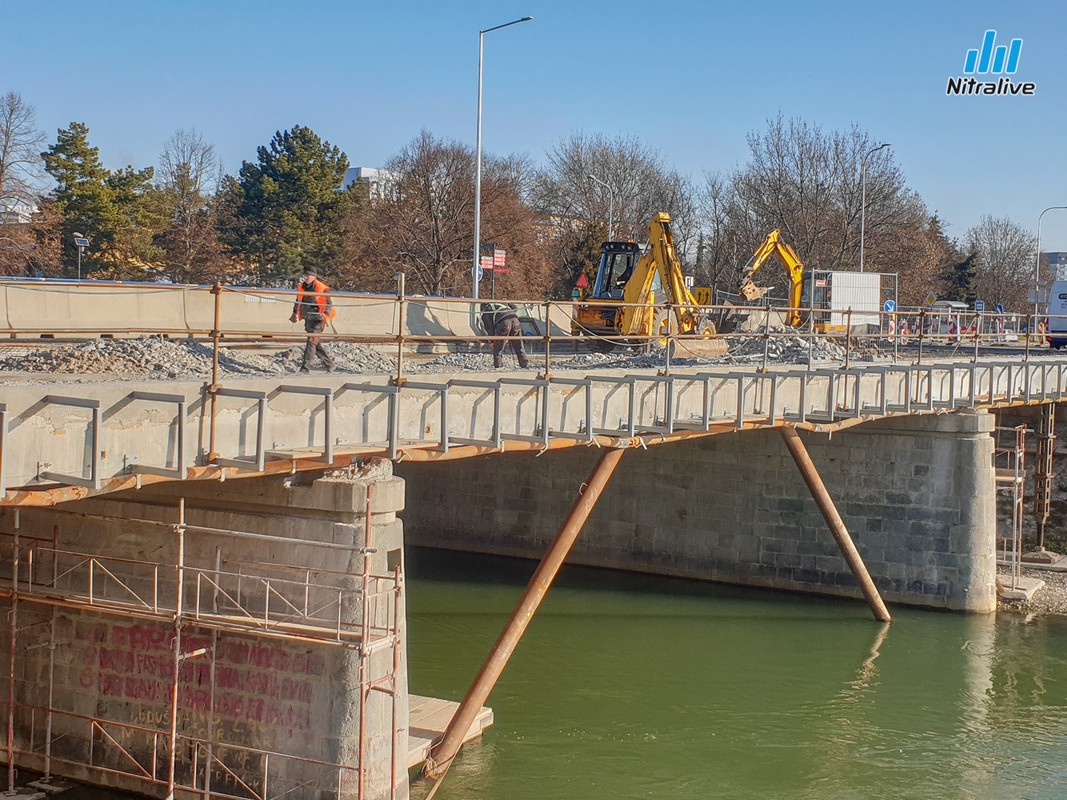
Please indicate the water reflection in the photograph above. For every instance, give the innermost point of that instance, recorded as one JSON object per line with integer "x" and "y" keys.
{"x": 635, "y": 687}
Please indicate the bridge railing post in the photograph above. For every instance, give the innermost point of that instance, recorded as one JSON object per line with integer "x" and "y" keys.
{"x": 216, "y": 335}
{"x": 548, "y": 339}
{"x": 922, "y": 333}
{"x": 400, "y": 328}
{"x": 848, "y": 338}
{"x": 766, "y": 337}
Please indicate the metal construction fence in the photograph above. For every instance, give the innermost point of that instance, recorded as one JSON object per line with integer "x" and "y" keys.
{"x": 31, "y": 311}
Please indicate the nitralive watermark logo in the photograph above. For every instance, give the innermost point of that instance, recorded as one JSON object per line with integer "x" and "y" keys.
{"x": 991, "y": 59}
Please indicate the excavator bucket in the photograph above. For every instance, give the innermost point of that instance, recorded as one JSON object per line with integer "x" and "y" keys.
{"x": 702, "y": 342}
{"x": 695, "y": 346}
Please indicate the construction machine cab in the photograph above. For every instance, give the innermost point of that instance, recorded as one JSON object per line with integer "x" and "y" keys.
{"x": 643, "y": 296}
{"x": 617, "y": 262}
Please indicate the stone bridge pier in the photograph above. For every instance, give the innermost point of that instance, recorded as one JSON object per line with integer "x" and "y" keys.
{"x": 243, "y": 637}
{"x": 917, "y": 494}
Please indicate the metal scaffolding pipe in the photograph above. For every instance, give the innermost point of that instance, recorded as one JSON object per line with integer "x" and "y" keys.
{"x": 442, "y": 754}
{"x": 833, "y": 520}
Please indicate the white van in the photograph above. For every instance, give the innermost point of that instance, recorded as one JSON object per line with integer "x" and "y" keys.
{"x": 1057, "y": 315}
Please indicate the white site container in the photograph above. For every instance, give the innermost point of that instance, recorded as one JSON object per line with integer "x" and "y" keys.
{"x": 859, "y": 291}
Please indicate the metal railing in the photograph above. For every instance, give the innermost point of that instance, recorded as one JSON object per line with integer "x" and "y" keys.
{"x": 830, "y": 390}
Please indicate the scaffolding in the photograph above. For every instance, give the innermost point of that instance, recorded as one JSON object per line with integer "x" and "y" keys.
{"x": 196, "y": 609}
{"x": 1009, "y": 464}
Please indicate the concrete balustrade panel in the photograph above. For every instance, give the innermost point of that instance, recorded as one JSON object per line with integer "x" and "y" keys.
{"x": 283, "y": 690}
{"x": 29, "y": 308}
{"x": 916, "y": 493}
{"x": 40, "y": 306}
{"x": 51, "y": 437}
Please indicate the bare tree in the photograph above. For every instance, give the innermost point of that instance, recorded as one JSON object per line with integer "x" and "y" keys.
{"x": 591, "y": 177}
{"x": 424, "y": 225}
{"x": 809, "y": 183}
{"x": 638, "y": 184}
{"x": 21, "y": 166}
{"x": 189, "y": 175}
{"x": 1004, "y": 263}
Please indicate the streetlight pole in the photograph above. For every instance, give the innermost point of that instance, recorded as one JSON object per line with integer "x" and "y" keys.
{"x": 81, "y": 243}
{"x": 611, "y": 205}
{"x": 1037, "y": 263}
{"x": 478, "y": 159}
{"x": 863, "y": 195}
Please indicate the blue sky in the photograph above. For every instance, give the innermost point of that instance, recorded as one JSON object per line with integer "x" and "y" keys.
{"x": 688, "y": 79}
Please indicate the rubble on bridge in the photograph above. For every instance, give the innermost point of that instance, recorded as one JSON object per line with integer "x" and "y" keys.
{"x": 156, "y": 356}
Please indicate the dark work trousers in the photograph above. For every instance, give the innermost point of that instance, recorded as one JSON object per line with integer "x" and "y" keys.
{"x": 314, "y": 344}
{"x": 509, "y": 327}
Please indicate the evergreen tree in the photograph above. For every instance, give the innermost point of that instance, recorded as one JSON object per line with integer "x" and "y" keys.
{"x": 288, "y": 207}
{"x": 116, "y": 211}
{"x": 82, "y": 196}
{"x": 958, "y": 281}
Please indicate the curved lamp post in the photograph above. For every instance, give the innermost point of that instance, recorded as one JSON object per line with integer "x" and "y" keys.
{"x": 863, "y": 194}
{"x": 478, "y": 160}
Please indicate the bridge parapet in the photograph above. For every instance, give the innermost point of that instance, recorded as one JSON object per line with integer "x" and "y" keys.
{"x": 100, "y": 437}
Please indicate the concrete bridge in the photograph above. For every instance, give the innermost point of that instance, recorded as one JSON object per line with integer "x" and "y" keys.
{"x": 205, "y": 583}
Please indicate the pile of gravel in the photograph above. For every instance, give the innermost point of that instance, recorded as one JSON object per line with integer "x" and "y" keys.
{"x": 348, "y": 356}
{"x": 1049, "y": 599}
{"x": 619, "y": 359}
{"x": 148, "y": 357}
{"x": 781, "y": 349}
{"x": 116, "y": 357}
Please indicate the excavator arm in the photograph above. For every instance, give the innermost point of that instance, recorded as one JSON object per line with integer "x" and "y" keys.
{"x": 660, "y": 260}
{"x": 773, "y": 245}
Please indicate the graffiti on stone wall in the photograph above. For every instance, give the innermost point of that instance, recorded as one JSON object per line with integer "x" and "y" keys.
{"x": 258, "y": 685}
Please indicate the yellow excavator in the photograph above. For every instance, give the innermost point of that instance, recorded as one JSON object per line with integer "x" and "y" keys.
{"x": 773, "y": 245}
{"x": 629, "y": 297}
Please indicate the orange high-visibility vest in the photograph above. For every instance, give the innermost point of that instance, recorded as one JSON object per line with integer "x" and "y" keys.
{"x": 318, "y": 292}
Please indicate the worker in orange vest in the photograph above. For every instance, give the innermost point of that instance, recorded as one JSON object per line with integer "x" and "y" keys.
{"x": 314, "y": 306}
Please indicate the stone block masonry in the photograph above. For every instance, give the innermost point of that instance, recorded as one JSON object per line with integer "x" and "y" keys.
{"x": 289, "y": 682}
{"x": 916, "y": 493}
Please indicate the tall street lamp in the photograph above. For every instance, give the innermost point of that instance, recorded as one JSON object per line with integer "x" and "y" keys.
{"x": 1037, "y": 264}
{"x": 611, "y": 205}
{"x": 863, "y": 195}
{"x": 478, "y": 160}
{"x": 81, "y": 243}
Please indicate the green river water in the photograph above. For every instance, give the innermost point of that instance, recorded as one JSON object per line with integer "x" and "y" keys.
{"x": 627, "y": 686}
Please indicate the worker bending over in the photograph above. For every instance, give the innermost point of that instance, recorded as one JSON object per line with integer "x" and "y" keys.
{"x": 502, "y": 319}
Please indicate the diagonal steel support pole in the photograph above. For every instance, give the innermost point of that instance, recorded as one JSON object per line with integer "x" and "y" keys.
{"x": 833, "y": 520}
{"x": 441, "y": 756}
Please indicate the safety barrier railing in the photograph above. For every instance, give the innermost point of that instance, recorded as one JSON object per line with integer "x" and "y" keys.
{"x": 325, "y": 605}
{"x": 904, "y": 381}
{"x": 110, "y": 748}
{"x": 540, "y": 411}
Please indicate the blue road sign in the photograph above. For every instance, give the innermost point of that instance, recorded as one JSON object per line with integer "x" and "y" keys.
{"x": 889, "y": 306}
{"x": 979, "y": 305}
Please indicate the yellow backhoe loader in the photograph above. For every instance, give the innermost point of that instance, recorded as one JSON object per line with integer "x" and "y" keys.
{"x": 630, "y": 296}
{"x": 773, "y": 245}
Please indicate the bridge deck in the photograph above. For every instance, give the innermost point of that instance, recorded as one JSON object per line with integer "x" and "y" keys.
{"x": 107, "y": 436}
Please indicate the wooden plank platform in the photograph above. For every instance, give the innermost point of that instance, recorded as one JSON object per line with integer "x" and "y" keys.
{"x": 427, "y": 719}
